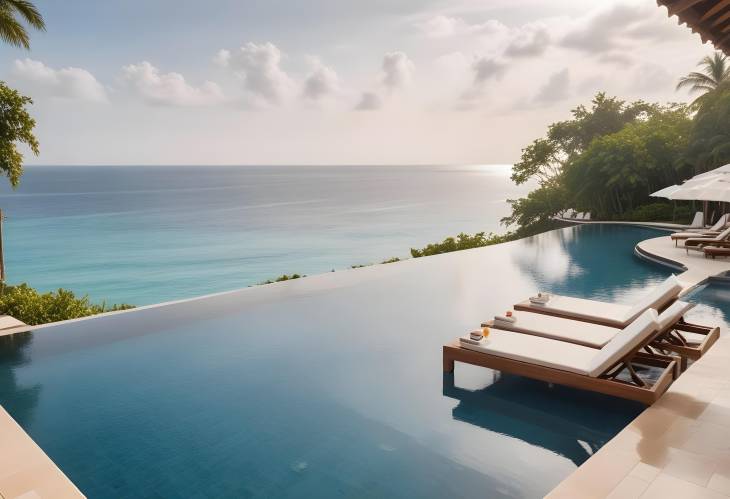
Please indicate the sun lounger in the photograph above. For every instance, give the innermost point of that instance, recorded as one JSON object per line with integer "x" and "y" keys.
{"x": 697, "y": 243}
{"x": 698, "y": 221}
{"x": 711, "y": 232}
{"x": 669, "y": 337}
{"x": 605, "y": 313}
{"x": 715, "y": 251}
{"x": 602, "y": 370}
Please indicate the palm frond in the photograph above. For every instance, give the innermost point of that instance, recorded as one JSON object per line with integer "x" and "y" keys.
{"x": 27, "y": 11}
{"x": 11, "y": 31}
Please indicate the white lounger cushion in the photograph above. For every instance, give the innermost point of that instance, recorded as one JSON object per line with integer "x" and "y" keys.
{"x": 657, "y": 298}
{"x": 616, "y": 314}
{"x": 624, "y": 342}
{"x": 559, "y": 328}
{"x": 563, "y": 355}
{"x": 536, "y": 350}
{"x": 580, "y": 333}
{"x": 673, "y": 313}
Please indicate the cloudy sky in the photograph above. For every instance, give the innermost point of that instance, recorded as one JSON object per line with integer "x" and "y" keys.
{"x": 332, "y": 81}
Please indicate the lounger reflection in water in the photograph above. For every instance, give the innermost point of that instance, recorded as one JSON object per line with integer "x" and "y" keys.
{"x": 675, "y": 334}
{"x": 609, "y": 370}
{"x": 605, "y": 313}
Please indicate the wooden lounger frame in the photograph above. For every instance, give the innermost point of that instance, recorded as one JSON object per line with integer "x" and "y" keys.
{"x": 698, "y": 244}
{"x": 716, "y": 250}
{"x": 669, "y": 340}
{"x": 607, "y": 383}
{"x": 672, "y": 339}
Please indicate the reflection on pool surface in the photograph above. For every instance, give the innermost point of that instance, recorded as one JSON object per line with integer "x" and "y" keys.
{"x": 329, "y": 386}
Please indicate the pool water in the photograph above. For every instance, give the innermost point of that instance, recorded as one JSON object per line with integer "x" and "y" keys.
{"x": 329, "y": 386}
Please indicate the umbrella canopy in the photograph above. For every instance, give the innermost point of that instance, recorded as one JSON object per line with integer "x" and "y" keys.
{"x": 666, "y": 192}
{"x": 709, "y": 186}
{"x": 715, "y": 188}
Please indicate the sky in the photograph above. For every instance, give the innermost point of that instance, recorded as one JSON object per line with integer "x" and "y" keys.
{"x": 333, "y": 81}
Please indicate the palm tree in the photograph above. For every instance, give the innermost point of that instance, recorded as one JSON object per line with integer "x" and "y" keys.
{"x": 715, "y": 73}
{"x": 12, "y": 29}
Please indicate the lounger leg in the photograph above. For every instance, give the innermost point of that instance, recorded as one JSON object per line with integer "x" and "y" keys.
{"x": 635, "y": 377}
{"x": 448, "y": 362}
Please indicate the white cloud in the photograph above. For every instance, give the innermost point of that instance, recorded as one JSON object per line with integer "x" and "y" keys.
{"x": 321, "y": 82}
{"x": 615, "y": 27}
{"x": 650, "y": 78}
{"x": 259, "y": 67}
{"x": 369, "y": 101}
{"x": 555, "y": 89}
{"x": 68, "y": 83}
{"x": 488, "y": 68}
{"x": 397, "y": 70}
{"x": 441, "y": 26}
{"x": 528, "y": 41}
{"x": 169, "y": 89}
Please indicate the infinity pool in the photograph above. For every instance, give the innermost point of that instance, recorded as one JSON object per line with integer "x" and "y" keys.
{"x": 329, "y": 386}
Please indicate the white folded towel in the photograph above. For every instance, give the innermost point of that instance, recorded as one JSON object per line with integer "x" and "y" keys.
{"x": 470, "y": 341}
{"x": 476, "y": 335}
{"x": 541, "y": 298}
{"x": 504, "y": 318}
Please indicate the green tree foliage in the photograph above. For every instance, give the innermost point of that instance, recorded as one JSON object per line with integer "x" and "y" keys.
{"x": 13, "y": 15}
{"x": 619, "y": 170}
{"x": 16, "y": 127}
{"x": 715, "y": 74}
{"x": 546, "y": 157}
{"x": 32, "y": 307}
{"x": 709, "y": 141}
{"x": 584, "y": 162}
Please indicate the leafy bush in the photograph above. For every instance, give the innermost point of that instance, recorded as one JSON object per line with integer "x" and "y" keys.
{"x": 391, "y": 260}
{"x": 461, "y": 242}
{"x": 32, "y": 307}
{"x": 654, "y": 212}
{"x": 283, "y": 277}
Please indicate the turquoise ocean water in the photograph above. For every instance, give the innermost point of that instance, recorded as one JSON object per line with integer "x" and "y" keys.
{"x": 145, "y": 235}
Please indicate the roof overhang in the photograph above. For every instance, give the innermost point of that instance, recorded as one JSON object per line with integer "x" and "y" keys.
{"x": 708, "y": 18}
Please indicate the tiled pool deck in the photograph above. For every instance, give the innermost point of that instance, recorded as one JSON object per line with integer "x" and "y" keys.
{"x": 680, "y": 447}
{"x": 26, "y": 472}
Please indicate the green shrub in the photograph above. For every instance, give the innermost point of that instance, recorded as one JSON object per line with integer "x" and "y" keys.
{"x": 461, "y": 242}
{"x": 653, "y": 212}
{"x": 391, "y": 260}
{"x": 283, "y": 277}
{"x": 32, "y": 307}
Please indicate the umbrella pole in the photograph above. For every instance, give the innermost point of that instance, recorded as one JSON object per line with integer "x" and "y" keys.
{"x": 704, "y": 212}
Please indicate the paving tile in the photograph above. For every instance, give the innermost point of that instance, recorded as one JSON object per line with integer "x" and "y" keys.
{"x": 695, "y": 468}
{"x": 629, "y": 488}
{"x": 668, "y": 487}
{"x": 645, "y": 472}
{"x": 719, "y": 483}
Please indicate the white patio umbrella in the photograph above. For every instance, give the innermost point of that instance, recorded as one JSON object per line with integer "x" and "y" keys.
{"x": 709, "y": 186}
{"x": 716, "y": 188}
{"x": 663, "y": 193}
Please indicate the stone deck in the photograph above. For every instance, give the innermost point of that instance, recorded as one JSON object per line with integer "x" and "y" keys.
{"x": 680, "y": 446}
{"x": 26, "y": 472}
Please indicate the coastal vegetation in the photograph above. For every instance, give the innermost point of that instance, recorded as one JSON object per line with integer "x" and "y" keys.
{"x": 611, "y": 155}
{"x": 33, "y": 307}
{"x": 283, "y": 277}
{"x": 16, "y": 130}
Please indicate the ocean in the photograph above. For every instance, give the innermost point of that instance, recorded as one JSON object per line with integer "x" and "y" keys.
{"x": 148, "y": 234}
